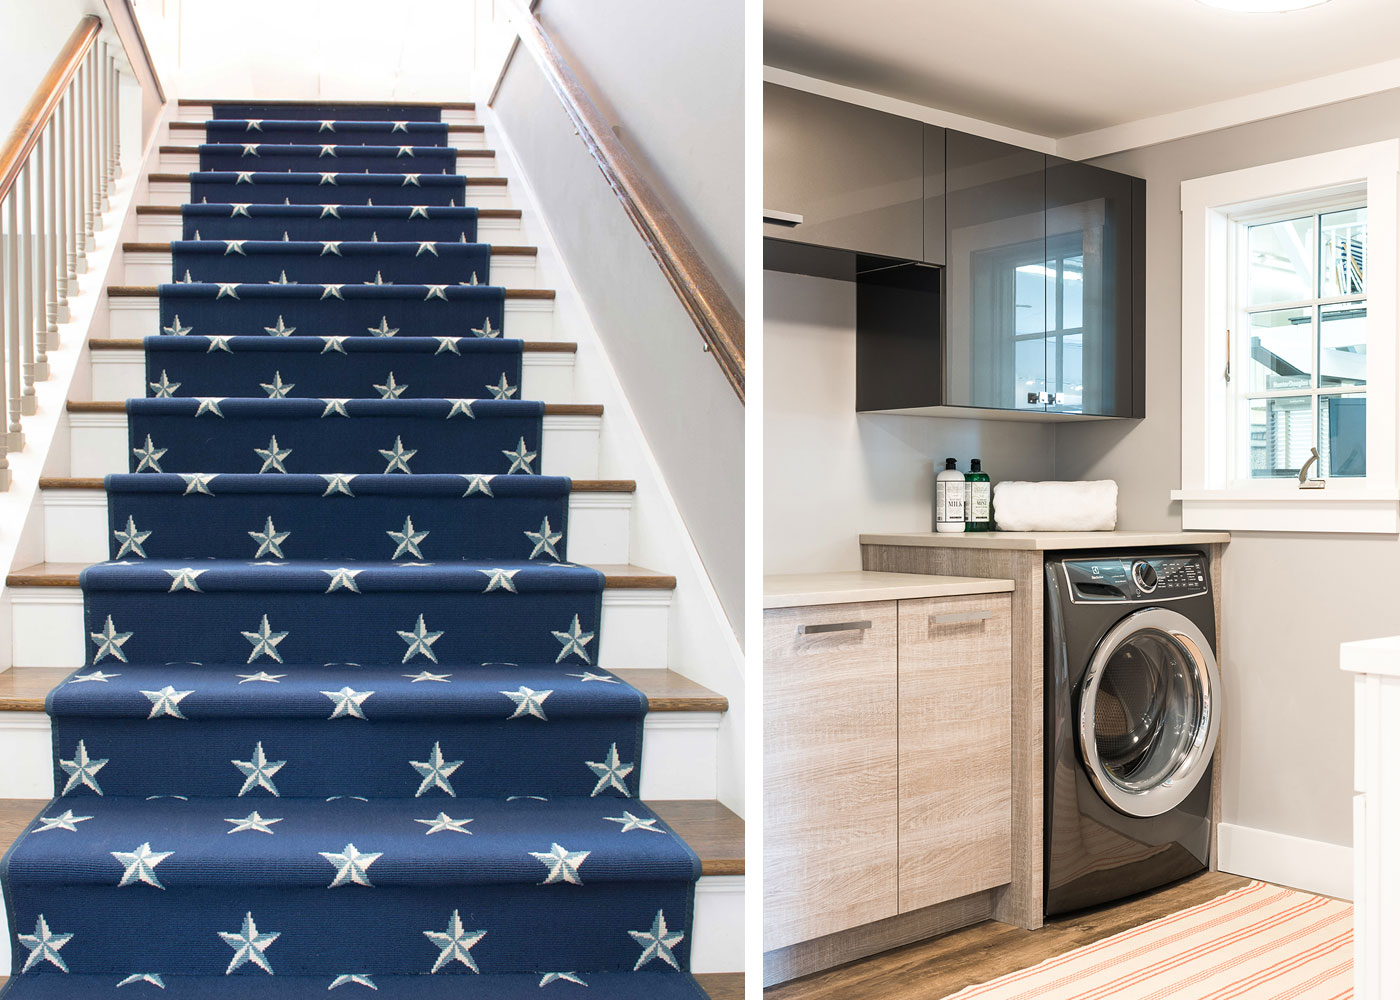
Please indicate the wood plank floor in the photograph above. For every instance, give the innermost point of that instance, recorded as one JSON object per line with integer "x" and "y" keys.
{"x": 931, "y": 970}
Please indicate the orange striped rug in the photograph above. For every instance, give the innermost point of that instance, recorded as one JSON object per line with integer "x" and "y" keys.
{"x": 1257, "y": 942}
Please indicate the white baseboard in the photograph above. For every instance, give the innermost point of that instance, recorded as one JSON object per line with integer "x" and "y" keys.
{"x": 1310, "y": 865}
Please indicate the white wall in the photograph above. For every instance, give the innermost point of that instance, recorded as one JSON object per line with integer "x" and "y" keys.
{"x": 333, "y": 49}
{"x": 830, "y": 473}
{"x": 1289, "y": 599}
{"x": 31, "y": 35}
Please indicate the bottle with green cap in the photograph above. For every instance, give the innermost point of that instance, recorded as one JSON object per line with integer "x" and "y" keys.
{"x": 949, "y": 498}
{"x": 979, "y": 498}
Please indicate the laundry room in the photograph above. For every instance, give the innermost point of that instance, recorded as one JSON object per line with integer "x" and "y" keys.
{"x": 1082, "y": 376}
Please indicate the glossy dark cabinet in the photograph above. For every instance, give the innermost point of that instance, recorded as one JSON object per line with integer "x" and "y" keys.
{"x": 994, "y": 331}
{"x": 1094, "y": 309}
{"x": 935, "y": 187}
{"x": 842, "y": 176}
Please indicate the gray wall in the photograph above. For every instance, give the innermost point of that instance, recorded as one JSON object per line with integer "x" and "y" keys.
{"x": 670, "y": 75}
{"x": 1288, "y": 599}
{"x": 830, "y": 474}
{"x": 691, "y": 418}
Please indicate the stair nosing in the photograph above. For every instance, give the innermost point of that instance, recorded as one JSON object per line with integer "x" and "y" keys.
{"x": 467, "y": 127}
{"x": 97, "y": 483}
{"x": 119, "y": 406}
{"x": 174, "y": 178}
{"x": 482, "y": 213}
{"x": 138, "y": 344}
{"x": 482, "y": 154}
{"x": 189, "y": 102}
{"x": 152, "y": 291}
{"x": 497, "y": 249}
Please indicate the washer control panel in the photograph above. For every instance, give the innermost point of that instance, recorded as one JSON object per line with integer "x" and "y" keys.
{"x": 1136, "y": 578}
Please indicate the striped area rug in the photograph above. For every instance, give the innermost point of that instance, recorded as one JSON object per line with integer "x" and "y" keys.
{"x": 1257, "y": 942}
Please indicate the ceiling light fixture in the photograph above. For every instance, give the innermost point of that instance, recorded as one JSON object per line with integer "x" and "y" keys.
{"x": 1264, "y": 6}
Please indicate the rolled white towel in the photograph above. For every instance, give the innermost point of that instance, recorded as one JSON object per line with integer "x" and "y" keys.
{"x": 1078, "y": 506}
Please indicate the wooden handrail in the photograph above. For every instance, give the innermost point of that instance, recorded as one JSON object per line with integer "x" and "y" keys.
{"x": 704, "y": 300}
{"x": 36, "y": 114}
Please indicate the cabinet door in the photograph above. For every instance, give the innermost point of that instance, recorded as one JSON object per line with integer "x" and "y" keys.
{"x": 994, "y": 328}
{"x": 1090, "y": 274}
{"x": 854, "y": 176}
{"x": 935, "y": 190}
{"x": 954, "y": 747}
{"x": 830, "y": 757}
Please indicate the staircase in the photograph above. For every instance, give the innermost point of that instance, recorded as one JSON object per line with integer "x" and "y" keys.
{"x": 422, "y": 590}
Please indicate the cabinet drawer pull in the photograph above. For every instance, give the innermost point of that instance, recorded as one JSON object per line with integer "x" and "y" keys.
{"x": 859, "y": 626}
{"x": 961, "y": 617}
{"x": 791, "y": 219}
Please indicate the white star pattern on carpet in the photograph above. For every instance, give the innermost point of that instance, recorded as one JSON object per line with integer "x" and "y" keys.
{"x": 265, "y": 641}
{"x": 562, "y": 864}
{"x": 44, "y": 945}
{"x": 254, "y": 823}
{"x": 249, "y": 946}
{"x": 166, "y": 701}
{"x": 527, "y": 702}
{"x": 435, "y": 771}
{"x": 82, "y": 770}
{"x": 657, "y": 943}
{"x": 348, "y": 703}
{"x": 258, "y": 772}
{"x": 456, "y": 943}
{"x": 140, "y": 865}
{"x": 443, "y": 823}
{"x": 351, "y": 864}
{"x": 611, "y": 773}
{"x": 420, "y": 641}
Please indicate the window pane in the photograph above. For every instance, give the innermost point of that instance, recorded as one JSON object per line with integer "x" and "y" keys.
{"x": 1281, "y": 262}
{"x": 1342, "y": 346}
{"x": 1341, "y": 434}
{"x": 1343, "y": 251}
{"x": 1280, "y": 436}
{"x": 1280, "y": 350}
{"x": 1030, "y": 298}
{"x": 1074, "y": 292}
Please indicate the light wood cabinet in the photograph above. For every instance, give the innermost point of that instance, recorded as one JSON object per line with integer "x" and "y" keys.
{"x": 831, "y": 786}
{"x": 887, "y": 760}
{"x": 954, "y": 747}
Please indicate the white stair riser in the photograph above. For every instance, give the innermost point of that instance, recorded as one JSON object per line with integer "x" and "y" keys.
{"x": 145, "y": 268}
{"x": 47, "y": 627}
{"x": 467, "y": 166}
{"x": 547, "y": 375}
{"x": 165, "y": 228}
{"x": 75, "y": 527}
{"x": 139, "y": 316}
{"x": 478, "y": 195}
{"x": 678, "y": 755}
{"x": 98, "y": 445}
{"x": 204, "y": 112}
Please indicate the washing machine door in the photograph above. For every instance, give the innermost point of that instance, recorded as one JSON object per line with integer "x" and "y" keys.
{"x": 1149, "y": 712}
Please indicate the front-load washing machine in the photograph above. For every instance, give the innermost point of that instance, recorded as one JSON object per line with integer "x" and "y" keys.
{"x": 1132, "y": 713}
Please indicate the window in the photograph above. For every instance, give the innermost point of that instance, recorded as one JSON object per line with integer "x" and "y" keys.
{"x": 1289, "y": 345}
{"x": 1302, "y": 354}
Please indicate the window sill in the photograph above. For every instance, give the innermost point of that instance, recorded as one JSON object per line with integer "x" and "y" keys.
{"x": 1325, "y": 511}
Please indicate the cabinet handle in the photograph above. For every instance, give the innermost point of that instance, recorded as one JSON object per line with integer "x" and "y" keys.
{"x": 859, "y": 626}
{"x": 961, "y": 617}
{"x": 790, "y": 219}
{"x": 1032, "y": 398}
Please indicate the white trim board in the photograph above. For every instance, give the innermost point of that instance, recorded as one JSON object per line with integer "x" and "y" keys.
{"x": 1344, "y": 86}
{"x": 1310, "y": 865}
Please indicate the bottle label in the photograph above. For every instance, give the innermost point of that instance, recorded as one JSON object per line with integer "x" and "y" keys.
{"x": 980, "y": 502}
{"x": 948, "y": 503}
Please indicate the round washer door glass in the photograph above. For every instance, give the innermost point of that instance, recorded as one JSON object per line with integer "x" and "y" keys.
{"x": 1149, "y": 712}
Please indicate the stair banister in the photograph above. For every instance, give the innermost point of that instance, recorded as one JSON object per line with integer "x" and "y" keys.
{"x": 714, "y": 315}
{"x": 57, "y": 168}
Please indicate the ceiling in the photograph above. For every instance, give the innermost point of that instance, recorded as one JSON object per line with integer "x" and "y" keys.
{"x": 1072, "y": 66}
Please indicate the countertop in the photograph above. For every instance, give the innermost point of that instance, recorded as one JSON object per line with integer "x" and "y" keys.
{"x": 1372, "y": 656}
{"x": 1047, "y": 540}
{"x": 797, "y": 590}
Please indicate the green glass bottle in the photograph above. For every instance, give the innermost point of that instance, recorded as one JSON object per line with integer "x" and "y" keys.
{"x": 979, "y": 498}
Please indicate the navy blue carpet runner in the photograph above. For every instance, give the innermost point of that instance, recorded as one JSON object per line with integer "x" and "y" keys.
{"x": 342, "y": 724}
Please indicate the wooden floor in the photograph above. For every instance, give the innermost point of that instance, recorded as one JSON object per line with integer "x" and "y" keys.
{"x": 931, "y": 970}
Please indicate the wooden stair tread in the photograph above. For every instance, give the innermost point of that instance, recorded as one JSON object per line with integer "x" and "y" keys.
{"x": 169, "y": 178}
{"x": 481, "y": 213}
{"x": 718, "y": 985}
{"x": 187, "y": 102}
{"x": 137, "y": 344}
{"x": 479, "y": 153}
{"x": 22, "y": 689}
{"x": 200, "y": 126}
{"x": 151, "y": 291}
{"x": 65, "y": 574}
{"x": 497, "y": 249}
{"x": 119, "y": 406}
{"x": 97, "y": 483}
{"x": 712, "y": 831}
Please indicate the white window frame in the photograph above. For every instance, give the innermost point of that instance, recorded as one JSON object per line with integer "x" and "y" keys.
{"x": 1211, "y": 210}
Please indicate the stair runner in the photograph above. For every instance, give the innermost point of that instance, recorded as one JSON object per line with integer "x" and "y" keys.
{"x": 341, "y": 725}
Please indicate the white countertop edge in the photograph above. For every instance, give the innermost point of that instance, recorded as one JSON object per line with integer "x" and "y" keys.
{"x": 1372, "y": 656}
{"x": 1046, "y": 540}
{"x": 800, "y": 590}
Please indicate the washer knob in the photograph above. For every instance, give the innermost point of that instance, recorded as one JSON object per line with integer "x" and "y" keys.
{"x": 1145, "y": 577}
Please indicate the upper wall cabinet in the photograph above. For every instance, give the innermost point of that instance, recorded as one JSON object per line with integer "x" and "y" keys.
{"x": 840, "y": 176}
